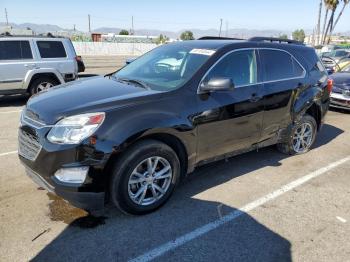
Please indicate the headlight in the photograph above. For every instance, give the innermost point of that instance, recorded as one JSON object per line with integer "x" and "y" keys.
{"x": 74, "y": 129}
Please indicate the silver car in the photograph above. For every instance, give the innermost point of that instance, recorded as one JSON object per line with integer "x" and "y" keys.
{"x": 32, "y": 64}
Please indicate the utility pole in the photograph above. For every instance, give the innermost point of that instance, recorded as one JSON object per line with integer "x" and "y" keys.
{"x": 132, "y": 25}
{"x": 220, "y": 27}
{"x": 89, "y": 24}
{"x": 74, "y": 27}
{"x": 7, "y": 20}
{"x": 226, "y": 28}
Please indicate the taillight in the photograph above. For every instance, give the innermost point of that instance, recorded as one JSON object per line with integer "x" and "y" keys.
{"x": 78, "y": 58}
{"x": 329, "y": 85}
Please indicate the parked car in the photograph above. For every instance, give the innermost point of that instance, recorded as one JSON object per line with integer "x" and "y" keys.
{"x": 130, "y": 136}
{"x": 340, "y": 96}
{"x": 331, "y": 60}
{"x": 31, "y": 64}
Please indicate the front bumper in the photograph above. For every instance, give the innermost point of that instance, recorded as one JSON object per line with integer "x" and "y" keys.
{"x": 340, "y": 101}
{"x": 86, "y": 200}
{"x": 42, "y": 159}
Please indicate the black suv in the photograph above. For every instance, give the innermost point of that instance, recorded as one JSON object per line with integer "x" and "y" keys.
{"x": 128, "y": 137}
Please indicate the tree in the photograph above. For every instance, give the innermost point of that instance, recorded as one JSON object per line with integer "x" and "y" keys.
{"x": 284, "y": 36}
{"x": 299, "y": 35}
{"x": 319, "y": 23}
{"x": 162, "y": 39}
{"x": 124, "y": 32}
{"x": 345, "y": 3}
{"x": 330, "y": 5}
{"x": 187, "y": 35}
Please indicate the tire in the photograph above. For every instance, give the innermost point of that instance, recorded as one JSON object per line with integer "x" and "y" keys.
{"x": 290, "y": 147}
{"x": 132, "y": 167}
{"x": 45, "y": 81}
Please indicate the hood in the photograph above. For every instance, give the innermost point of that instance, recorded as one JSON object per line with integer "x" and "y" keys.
{"x": 82, "y": 96}
{"x": 341, "y": 79}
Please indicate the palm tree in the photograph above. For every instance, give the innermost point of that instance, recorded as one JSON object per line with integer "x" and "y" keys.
{"x": 319, "y": 24}
{"x": 324, "y": 20}
{"x": 345, "y": 3}
{"x": 330, "y": 5}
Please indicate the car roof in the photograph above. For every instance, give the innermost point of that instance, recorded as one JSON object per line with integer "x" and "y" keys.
{"x": 217, "y": 44}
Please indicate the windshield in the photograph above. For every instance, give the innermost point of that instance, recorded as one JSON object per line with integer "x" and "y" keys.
{"x": 165, "y": 68}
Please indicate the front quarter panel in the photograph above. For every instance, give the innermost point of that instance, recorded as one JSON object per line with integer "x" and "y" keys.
{"x": 168, "y": 115}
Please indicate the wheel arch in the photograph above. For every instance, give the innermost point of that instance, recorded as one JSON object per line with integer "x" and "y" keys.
{"x": 171, "y": 140}
{"x": 34, "y": 75}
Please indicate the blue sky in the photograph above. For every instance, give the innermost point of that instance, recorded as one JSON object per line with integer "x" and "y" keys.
{"x": 170, "y": 15}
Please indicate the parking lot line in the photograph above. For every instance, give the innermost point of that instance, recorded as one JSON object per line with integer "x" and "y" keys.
{"x": 9, "y": 112}
{"x": 8, "y": 153}
{"x": 162, "y": 249}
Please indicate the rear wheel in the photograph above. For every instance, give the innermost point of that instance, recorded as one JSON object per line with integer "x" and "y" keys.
{"x": 301, "y": 137}
{"x": 144, "y": 177}
{"x": 41, "y": 84}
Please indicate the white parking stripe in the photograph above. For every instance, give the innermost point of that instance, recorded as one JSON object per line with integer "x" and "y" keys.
{"x": 9, "y": 112}
{"x": 8, "y": 153}
{"x": 160, "y": 250}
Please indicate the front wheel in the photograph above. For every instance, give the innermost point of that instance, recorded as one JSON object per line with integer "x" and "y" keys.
{"x": 144, "y": 177}
{"x": 301, "y": 137}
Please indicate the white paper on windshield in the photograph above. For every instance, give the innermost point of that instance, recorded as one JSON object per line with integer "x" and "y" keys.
{"x": 207, "y": 52}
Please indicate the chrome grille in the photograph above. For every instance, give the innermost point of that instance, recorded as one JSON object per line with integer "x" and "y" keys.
{"x": 28, "y": 145}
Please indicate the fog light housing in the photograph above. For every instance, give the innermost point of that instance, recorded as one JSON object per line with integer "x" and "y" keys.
{"x": 74, "y": 175}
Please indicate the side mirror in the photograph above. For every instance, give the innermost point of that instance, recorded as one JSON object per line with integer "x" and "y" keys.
{"x": 217, "y": 84}
{"x": 129, "y": 60}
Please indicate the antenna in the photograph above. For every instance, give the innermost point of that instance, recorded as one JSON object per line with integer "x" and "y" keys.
{"x": 7, "y": 20}
{"x": 220, "y": 27}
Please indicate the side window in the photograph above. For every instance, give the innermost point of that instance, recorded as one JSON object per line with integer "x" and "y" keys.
{"x": 240, "y": 66}
{"x": 279, "y": 65}
{"x": 15, "y": 50}
{"x": 51, "y": 49}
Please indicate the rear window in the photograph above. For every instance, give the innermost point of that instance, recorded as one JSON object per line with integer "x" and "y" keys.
{"x": 279, "y": 65}
{"x": 15, "y": 50}
{"x": 51, "y": 49}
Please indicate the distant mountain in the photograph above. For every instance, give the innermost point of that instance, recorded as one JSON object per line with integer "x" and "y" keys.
{"x": 236, "y": 32}
{"x": 39, "y": 28}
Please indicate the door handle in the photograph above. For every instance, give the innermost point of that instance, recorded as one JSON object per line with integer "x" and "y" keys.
{"x": 255, "y": 98}
{"x": 30, "y": 65}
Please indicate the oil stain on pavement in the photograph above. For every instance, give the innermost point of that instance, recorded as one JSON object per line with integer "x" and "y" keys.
{"x": 60, "y": 210}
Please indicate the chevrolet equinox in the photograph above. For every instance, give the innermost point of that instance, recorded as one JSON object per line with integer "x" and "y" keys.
{"x": 128, "y": 137}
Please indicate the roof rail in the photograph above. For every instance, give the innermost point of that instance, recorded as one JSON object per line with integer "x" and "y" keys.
{"x": 218, "y": 38}
{"x": 49, "y": 35}
{"x": 273, "y": 39}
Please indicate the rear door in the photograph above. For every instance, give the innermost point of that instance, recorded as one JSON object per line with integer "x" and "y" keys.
{"x": 231, "y": 120}
{"x": 16, "y": 59}
{"x": 282, "y": 76}
{"x": 56, "y": 54}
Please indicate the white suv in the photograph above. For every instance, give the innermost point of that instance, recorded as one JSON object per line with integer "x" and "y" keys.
{"x": 32, "y": 64}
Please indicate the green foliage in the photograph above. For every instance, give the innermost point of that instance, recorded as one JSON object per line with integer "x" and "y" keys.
{"x": 283, "y": 36}
{"x": 124, "y": 32}
{"x": 299, "y": 35}
{"x": 187, "y": 35}
{"x": 161, "y": 39}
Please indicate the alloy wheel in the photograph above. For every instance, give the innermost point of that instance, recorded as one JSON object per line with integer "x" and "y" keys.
{"x": 150, "y": 180}
{"x": 303, "y": 137}
{"x": 44, "y": 86}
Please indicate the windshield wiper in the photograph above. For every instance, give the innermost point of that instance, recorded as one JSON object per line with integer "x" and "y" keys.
{"x": 135, "y": 81}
